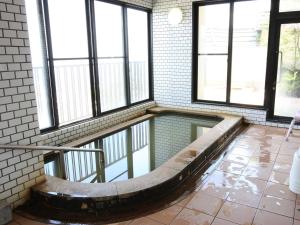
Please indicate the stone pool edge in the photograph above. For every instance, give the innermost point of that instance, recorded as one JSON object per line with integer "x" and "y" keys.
{"x": 72, "y": 196}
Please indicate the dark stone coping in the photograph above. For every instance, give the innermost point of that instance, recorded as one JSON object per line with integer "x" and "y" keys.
{"x": 93, "y": 198}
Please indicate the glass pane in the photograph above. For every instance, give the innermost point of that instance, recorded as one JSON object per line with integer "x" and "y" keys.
{"x": 68, "y": 28}
{"x": 112, "y": 83}
{"x": 287, "y": 100}
{"x": 109, "y": 29}
{"x": 73, "y": 90}
{"x": 249, "y": 51}
{"x": 289, "y": 5}
{"x": 212, "y": 77}
{"x": 213, "y": 28}
{"x": 138, "y": 55}
{"x": 39, "y": 66}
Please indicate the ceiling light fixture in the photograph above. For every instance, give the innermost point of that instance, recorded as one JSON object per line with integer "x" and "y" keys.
{"x": 175, "y": 16}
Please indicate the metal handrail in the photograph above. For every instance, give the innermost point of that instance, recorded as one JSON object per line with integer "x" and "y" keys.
{"x": 61, "y": 151}
{"x": 49, "y": 148}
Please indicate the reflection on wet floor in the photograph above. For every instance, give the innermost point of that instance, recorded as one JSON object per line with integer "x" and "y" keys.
{"x": 249, "y": 186}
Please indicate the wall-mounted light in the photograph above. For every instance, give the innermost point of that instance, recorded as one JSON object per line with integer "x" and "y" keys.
{"x": 175, "y": 16}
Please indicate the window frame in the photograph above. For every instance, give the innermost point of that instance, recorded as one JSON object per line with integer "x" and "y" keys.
{"x": 93, "y": 60}
{"x": 195, "y": 54}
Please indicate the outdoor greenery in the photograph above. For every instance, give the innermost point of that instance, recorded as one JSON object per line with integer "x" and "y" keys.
{"x": 289, "y": 55}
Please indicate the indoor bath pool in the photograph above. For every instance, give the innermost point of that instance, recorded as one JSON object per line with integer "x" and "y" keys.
{"x": 133, "y": 151}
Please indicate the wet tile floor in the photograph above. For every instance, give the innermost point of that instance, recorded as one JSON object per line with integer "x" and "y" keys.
{"x": 249, "y": 187}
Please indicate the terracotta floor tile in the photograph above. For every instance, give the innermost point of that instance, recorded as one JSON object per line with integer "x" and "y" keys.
{"x": 247, "y": 191}
{"x": 205, "y": 203}
{"x": 277, "y": 205}
{"x": 244, "y": 197}
{"x": 144, "y": 221}
{"x": 285, "y": 159}
{"x": 249, "y": 183}
{"x": 237, "y": 213}
{"x": 192, "y": 217}
{"x": 280, "y": 191}
{"x": 218, "y": 221}
{"x": 288, "y": 148}
{"x": 296, "y": 222}
{"x": 167, "y": 215}
{"x": 219, "y": 184}
{"x": 267, "y": 218}
{"x": 248, "y": 152}
{"x": 262, "y": 173}
{"x": 297, "y": 210}
{"x": 24, "y": 221}
{"x": 184, "y": 201}
{"x": 237, "y": 159}
{"x": 263, "y": 157}
{"x": 230, "y": 167}
{"x": 269, "y": 148}
{"x": 122, "y": 223}
{"x": 294, "y": 138}
{"x": 282, "y": 167}
{"x": 280, "y": 178}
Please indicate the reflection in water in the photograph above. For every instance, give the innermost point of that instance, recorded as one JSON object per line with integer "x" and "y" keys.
{"x": 131, "y": 152}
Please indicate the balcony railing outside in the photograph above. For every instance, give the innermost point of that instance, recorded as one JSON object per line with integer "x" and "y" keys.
{"x": 74, "y": 91}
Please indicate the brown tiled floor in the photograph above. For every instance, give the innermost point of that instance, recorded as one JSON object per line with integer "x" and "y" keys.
{"x": 249, "y": 187}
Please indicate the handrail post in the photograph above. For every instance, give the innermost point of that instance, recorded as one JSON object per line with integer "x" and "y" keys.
{"x": 62, "y": 164}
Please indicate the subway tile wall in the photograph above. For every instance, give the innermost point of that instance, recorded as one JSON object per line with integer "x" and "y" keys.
{"x": 172, "y": 60}
{"x": 68, "y": 134}
{"x": 19, "y": 169}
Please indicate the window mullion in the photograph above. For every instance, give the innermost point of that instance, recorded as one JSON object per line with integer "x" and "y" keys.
{"x": 126, "y": 55}
{"x": 229, "y": 61}
{"x": 50, "y": 64}
{"x": 90, "y": 49}
{"x": 94, "y": 61}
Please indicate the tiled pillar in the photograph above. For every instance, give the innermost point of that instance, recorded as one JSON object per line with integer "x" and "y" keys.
{"x": 19, "y": 170}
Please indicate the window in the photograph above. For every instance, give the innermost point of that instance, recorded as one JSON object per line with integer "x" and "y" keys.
{"x": 111, "y": 55}
{"x": 138, "y": 54}
{"x": 213, "y": 50}
{"x": 230, "y": 51}
{"x": 90, "y": 61}
{"x": 39, "y": 64}
{"x": 289, "y": 5}
{"x": 70, "y": 60}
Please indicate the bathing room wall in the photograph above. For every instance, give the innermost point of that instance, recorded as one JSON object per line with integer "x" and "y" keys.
{"x": 172, "y": 60}
{"x": 19, "y": 170}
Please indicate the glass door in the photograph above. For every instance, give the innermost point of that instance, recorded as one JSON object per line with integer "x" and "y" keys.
{"x": 287, "y": 88}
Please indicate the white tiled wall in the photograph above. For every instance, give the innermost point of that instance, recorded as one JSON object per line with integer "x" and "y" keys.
{"x": 172, "y": 60}
{"x": 19, "y": 169}
{"x": 70, "y": 133}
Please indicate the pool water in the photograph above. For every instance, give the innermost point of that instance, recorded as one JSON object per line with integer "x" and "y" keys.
{"x": 133, "y": 151}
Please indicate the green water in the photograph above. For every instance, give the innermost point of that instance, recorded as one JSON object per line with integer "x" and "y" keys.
{"x": 133, "y": 151}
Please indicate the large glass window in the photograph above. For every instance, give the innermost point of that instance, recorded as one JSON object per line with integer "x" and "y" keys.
{"x": 232, "y": 41}
{"x": 39, "y": 65}
{"x": 138, "y": 54}
{"x": 249, "y": 51}
{"x": 88, "y": 61}
{"x": 111, "y": 58}
{"x": 212, "y": 51}
{"x": 287, "y": 97}
{"x": 70, "y": 59}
